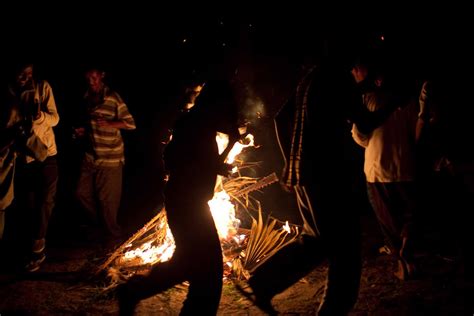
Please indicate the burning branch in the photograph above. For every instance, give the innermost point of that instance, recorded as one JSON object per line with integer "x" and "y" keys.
{"x": 265, "y": 240}
{"x": 159, "y": 224}
{"x": 257, "y": 185}
{"x": 137, "y": 235}
{"x": 244, "y": 250}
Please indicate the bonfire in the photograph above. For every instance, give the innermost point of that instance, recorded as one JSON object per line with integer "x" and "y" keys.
{"x": 244, "y": 249}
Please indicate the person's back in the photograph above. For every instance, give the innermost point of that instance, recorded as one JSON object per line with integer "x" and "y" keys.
{"x": 327, "y": 99}
{"x": 192, "y": 155}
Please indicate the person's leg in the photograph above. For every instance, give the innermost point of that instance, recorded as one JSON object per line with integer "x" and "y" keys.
{"x": 380, "y": 195}
{"x": 161, "y": 277}
{"x": 206, "y": 275}
{"x": 109, "y": 192}
{"x": 196, "y": 237}
{"x": 394, "y": 205}
{"x": 85, "y": 191}
{"x": 341, "y": 237}
{"x": 204, "y": 293}
{"x": 408, "y": 201}
{"x": 166, "y": 274}
{"x": 47, "y": 195}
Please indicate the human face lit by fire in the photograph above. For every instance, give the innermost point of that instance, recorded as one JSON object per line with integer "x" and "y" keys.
{"x": 359, "y": 73}
{"x": 95, "y": 80}
{"x": 191, "y": 95}
{"x": 25, "y": 76}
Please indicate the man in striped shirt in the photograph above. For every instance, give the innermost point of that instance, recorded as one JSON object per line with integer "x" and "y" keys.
{"x": 100, "y": 182}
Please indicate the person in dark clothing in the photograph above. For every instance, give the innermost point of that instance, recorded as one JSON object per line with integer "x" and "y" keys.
{"x": 193, "y": 162}
{"x": 446, "y": 165}
{"x": 313, "y": 129}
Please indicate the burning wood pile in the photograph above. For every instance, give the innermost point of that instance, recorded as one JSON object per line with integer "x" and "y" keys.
{"x": 244, "y": 249}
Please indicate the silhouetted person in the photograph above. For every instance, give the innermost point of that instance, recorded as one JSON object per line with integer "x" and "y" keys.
{"x": 321, "y": 167}
{"x": 323, "y": 177}
{"x": 193, "y": 163}
{"x": 99, "y": 187}
{"x": 444, "y": 137}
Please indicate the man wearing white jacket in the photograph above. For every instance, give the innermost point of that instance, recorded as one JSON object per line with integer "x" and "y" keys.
{"x": 389, "y": 168}
{"x": 34, "y": 109}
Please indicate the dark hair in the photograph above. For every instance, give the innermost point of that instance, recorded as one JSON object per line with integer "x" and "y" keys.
{"x": 373, "y": 61}
{"x": 216, "y": 92}
{"x": 17, "y": 67}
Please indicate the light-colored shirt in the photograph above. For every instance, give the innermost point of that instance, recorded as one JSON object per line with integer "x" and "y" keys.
{"x": 40, "y": 92}
{"x": 389, "y": 149}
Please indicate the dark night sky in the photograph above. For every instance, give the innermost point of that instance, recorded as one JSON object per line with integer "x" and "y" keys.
{"x": 142, "y": 48}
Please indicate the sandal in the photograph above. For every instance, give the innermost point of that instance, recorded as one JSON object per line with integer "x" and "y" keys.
{"x": 406, "y": 270}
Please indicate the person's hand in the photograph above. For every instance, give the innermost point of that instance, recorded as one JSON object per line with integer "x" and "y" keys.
{"x": 285, "y": 187}
{"x": 36, "y": 113}
{"x": 103, "y": 123}
{"x": 79, "y": 132}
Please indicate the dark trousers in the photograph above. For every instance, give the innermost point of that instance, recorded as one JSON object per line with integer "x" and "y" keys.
{"x": 338, "y": 221}
{"x": 394, "y": 204}
{"x": 197, "y": 258}
{"x": 35, "y": 189}
{"x": 99, "y": 190}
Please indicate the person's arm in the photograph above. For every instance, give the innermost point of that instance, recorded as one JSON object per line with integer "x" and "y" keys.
{"x": 11, "y": 127}
{"x": 124, "y": 118}
{"x": 48, "y": 113}
{"x": 367, "y": 121}
{"x": 360, "y": 138}
{"x": 423, "y": 115}
{"x": 114, "y": 124}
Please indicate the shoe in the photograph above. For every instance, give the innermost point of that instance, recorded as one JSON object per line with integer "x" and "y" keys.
{"x": 35, "y": 262}
{"x": 39, "y": 245}
{"x": 406, "y": 270}
{"x": 385, "y": 250}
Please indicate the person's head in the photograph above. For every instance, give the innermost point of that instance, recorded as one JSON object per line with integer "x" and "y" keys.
{"x": 360, "y": 72}
{"x": 24, "y": 75}
{"x": 218, "y": 100}
{"x": 368, "y": 67}
{"x": 191, "y": 93}
{"x": 95, "y": 79}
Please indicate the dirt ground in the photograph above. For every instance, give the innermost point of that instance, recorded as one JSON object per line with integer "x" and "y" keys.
{"x": 65, "y": 286}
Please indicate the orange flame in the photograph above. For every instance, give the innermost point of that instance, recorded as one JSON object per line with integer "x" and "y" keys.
{"x": 222, "y": 209}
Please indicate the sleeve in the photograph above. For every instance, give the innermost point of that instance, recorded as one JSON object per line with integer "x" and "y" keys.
{"x": 49, "y": 113}
{"x": 124, "y": 115}
{"x": 424, "y": 101}
{"x": 360, "y": 138}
